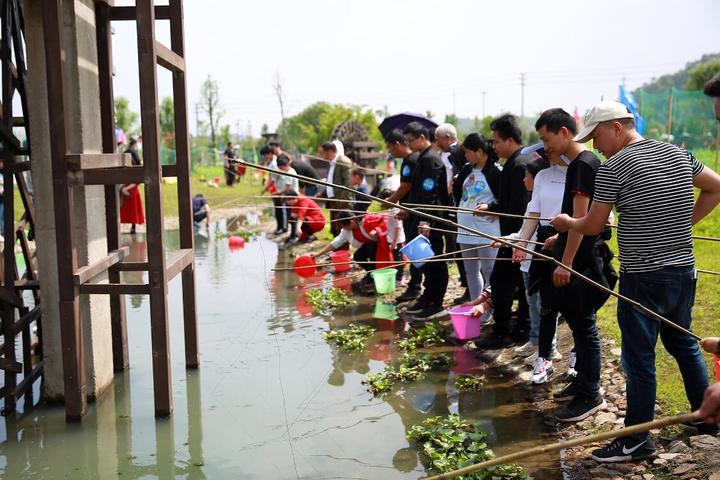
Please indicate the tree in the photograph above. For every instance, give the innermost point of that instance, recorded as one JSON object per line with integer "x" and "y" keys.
{"x": 210, "y": 105}
{"x": 314, "y": 125}
{"x": 167, "y": 122}
{"x": 225, "y": 135}
{"x": 701, "y": 74}
{"x": 125, "y": 119}
{"x": 452, "y": 119}
{"x": 277, "y": 86}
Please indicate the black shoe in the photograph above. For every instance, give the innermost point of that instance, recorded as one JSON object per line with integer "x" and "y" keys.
{"x": 417, "y": 306}
{"x": 309, "y": 239}
{"x": 279, "y": 231}
{"x": 568, "y": 392}
{"x": 704, "y": 428}
{"x": 433, "y": 310}
{"x": 410, "y": 294}
{"x": 625, "y": 449}
{"x": 493, "y": 342}
{"x": 464, "y": 298}
{"x": 580, "y": 408}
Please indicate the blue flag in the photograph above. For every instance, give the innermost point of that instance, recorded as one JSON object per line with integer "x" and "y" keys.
{"x": 628, "y": 99}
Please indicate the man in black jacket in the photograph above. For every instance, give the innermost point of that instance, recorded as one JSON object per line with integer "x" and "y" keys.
{"x": 506, "y": 279}
{"x": 429, "y": 187}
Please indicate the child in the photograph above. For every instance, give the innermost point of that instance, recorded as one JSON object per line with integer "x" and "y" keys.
{"x": 357, "y": 178}
{"x": 306, "y": 218}
{"x": 395, "y": 234}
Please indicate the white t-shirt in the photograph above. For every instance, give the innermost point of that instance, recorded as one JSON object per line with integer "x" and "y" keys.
{"x": 395, "y": 226}
{"x": 331, "y": 172}
{"x": 273, "y": 165}
{"x": 476, "y": 191}
{"x": 345, "y": 236}
{"x": 283, "y": 181}
{"x": 448, "y": 168}
{"x": 548, "y": 192}
{"x": 392, "y": 182}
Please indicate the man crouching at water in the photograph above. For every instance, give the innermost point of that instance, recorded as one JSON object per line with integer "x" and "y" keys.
{"x": 650, "y": 183}
{"x": 368, "y": 237}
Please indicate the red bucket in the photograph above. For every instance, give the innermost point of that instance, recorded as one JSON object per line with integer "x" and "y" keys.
{"x": 305, "y": 266}
{"x": 343, "y": 258}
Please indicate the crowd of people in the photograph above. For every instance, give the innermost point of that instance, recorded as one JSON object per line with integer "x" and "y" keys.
{"x": 493, "y": 204}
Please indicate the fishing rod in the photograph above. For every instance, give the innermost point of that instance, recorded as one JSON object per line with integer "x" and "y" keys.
{"x": 563, "y": 444}
{"x": 367, "y": 169}
{"x": 435, "y": 218}
{"x": 283, "y": 197}
{"x": 388, "y": 263}
{"x": 476, "y": 235}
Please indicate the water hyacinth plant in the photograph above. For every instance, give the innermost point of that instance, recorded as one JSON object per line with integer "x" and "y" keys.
{"x": 352, "y": 338}
{"x": 326, "y": 301}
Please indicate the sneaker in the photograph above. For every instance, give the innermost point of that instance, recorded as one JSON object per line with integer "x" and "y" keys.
{"x": 309, "y": 239}
{"x": 410, "y": 294}
{"x": 704, "y": 428}
{"x": 555, "y": 356}
{"x": 431, "y": 311}
{"x": 279, "y": 231}
{"x": 625, "y": 450}
{"x": 291, "y": 241}
{"x": 580, "y": 408}
{"x": 528, "y": 349}
{"x": 572, "y": 359}
{"x": 464, "y": 298}
{"x": 493, "y": 342}
{"x": 417, "y": 306}
{"x": 569, "y": 391}
{"x": 542, "y": 370}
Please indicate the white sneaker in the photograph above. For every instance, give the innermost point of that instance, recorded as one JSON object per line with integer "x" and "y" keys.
{"x": 526, "y": 349}
{"x": 571, "y": 372}
{"x": 556, "y": 356}
{"x": 542, "y": 369}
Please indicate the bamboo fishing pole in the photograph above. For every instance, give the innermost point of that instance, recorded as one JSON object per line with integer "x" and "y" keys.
{"x": 563, "y": 444}
{"x": 390, "y": 263}
{"x": 428, "y": 216}
{"x": 475, "y": 235}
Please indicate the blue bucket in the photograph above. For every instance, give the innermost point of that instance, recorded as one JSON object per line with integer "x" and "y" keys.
{"x": 418, "y": 249}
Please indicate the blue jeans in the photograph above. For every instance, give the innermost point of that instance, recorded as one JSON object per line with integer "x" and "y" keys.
{"x": 669, "y": 292}
{"x": 534, "y": 310}
{"x": 2, "y": 217}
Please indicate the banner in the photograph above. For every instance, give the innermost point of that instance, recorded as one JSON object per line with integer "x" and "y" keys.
{"x": 628, "y": 99}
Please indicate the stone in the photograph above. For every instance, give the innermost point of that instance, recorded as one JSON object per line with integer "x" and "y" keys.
{"x": 684, "y": 468}
{"x": 616, "y": 351}
{"x": 605, "y": 417}
{"x": 639, "y": 469}
{"x": 624, "y": 467}
{"x": 603, "y": 472}
{"x": 669, "y": 456}
{"x": 704, "y": 442}
{"x": 660, "y": 461}
{"x": 715, "y": 476}
{"x": 612, "y": 409}
{"x": 648, "y": 476}
{"x": 613, "y": 397}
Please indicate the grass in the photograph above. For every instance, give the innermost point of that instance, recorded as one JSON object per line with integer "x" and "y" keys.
{"x": 670, "y": 390}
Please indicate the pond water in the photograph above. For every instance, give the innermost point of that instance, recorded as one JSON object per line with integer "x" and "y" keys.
{"x": 271, "y": 400}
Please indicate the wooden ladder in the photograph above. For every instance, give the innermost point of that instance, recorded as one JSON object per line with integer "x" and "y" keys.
{"x": 111, "y": 169}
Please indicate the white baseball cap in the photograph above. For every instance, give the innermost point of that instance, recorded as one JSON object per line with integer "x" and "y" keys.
{"x": 602, "y": 112}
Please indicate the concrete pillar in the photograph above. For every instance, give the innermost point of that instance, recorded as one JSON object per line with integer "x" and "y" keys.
{"x": 84, "y": 136}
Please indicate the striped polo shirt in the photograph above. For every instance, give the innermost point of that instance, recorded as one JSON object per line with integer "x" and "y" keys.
{"x": 651, "y": 185}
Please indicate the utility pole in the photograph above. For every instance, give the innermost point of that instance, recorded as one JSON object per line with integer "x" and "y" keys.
{"x": 483, "y": 110}
{"x": 454, "y": 102}
{"x": 237, "y": 130}
{"x": 522, "y": 95}
{"x": 197, "y": 119}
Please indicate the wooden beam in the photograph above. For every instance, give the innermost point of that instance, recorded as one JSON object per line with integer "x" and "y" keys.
{"x": 10, "y": 365}
{"x": 178, "y": 262}
{"x": 26, "y": 319}
{"x": 169, "y": 171}
{"x": 21, "y": 167}
{"x": 130, "y": 267}
{"x": 364, "y": 144}
{"x": 84, "y": 274}
{"x": 28, "y": 381}
{"x": 126, "y": 14}
{"x": 27, "y": 285}
{"x": 89, "y": 161}
{"x": 169, "y": 59}
{"x": 113, "y": 176}
{"x": 115, "y": 288}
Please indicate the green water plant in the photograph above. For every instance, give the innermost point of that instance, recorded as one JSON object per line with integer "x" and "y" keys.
{"x": 328, "y": 300}
{"x": 412, "y": 368}
{"x": 449, "y": 443}
{"x": 469, "y": 383}
{"x": 430, "y": 335}
{"x": 354, "y": 337}
{"x": 246, "y": 235}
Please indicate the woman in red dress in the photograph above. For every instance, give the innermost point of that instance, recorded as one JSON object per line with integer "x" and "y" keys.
{"x": 131, "y": 210}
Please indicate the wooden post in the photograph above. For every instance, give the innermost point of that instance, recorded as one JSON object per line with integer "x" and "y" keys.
{"x": 147, "y": 65}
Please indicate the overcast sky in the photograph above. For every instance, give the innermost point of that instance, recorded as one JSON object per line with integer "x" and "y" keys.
{"x": 418, "y": 55}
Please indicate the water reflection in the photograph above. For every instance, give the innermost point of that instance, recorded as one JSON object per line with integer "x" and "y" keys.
{"x": 271, "y": 398}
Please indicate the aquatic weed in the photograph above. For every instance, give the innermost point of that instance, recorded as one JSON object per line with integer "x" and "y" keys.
{"x": 449, "y": 443}
{"x": 469, "y": 383}
{"x": 352, "y": 338}
{"x": 430, "y": 335}
{"x": 412, "y": 368}
{"x": 328, "y": 300}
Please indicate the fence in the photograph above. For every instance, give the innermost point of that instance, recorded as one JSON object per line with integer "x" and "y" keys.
{"x": 681, "y": 117}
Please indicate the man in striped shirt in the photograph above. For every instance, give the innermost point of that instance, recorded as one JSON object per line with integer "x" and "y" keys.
{"x": 650, "y": 183}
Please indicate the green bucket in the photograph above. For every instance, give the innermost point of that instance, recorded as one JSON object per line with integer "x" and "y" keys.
{"x": 384, "y": 280}
{"x": 385, "y": 311}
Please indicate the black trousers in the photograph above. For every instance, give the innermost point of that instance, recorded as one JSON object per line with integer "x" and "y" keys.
{"x": 507, "y": 283}
{"x": 436, "y": 273}
{"x": 451, "y": 245}
{"x": 366, "y": 253}
{"x": 305, "y": 228}
{"x": 280, "y": 214}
